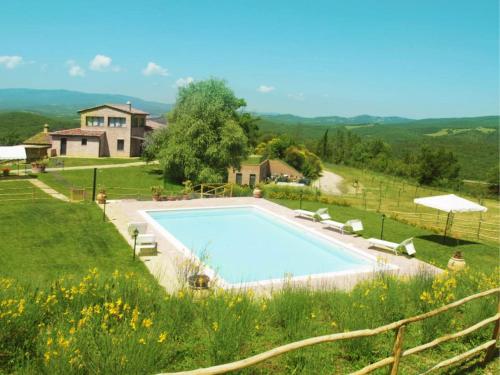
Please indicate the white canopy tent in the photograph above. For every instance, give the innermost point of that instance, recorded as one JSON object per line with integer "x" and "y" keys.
{"x": 11, "y": 153}
{"x": 451, "y": 204}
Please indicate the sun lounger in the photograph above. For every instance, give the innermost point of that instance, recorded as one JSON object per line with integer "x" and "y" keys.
{"x": 146, "y": 244}
{"x": 351, "y": 226}
{"x": 406, "y": 246}
{"x": 319, "y": 215}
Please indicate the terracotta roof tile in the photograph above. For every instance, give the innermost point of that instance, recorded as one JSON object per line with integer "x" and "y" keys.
{"x": 120, "y": 107}
{"x": 79, "y": 132}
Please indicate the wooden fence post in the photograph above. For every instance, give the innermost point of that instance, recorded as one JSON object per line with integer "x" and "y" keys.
{"x": 491, "y": 352}
{"x": 201, "y": 191}
{"x": 478, "y": 228}
{"x": 33, "y": 193}
{"x": 231, "y": 193}
{"x": 399, "y": 195}
{"x": 397, "y": 349}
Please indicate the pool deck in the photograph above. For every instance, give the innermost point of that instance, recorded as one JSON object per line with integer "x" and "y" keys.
{"x": 167, "y": 264}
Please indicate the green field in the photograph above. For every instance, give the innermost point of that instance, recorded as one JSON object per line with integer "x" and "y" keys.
{"x": 79, "y": 162}
{"x": 47, "y": 239}
{"x": 392, "y": 195}
{"x": 126, "y": 182}
{"x": 64, "y": 309}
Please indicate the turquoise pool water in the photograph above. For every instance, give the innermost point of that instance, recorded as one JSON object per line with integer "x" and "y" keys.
{"x": 246, "y": 244}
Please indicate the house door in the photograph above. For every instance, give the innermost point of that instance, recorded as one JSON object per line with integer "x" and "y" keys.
{"x": 251, "y": 181}
{"x": 62, "y": 150}
{"x": 238, "y": 178}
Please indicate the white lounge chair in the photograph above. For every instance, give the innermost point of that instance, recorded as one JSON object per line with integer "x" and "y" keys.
{"x": 146, "y": 244}
{"x": 406, "y": 246}
{"x": 319, "y": 215}
{"x": 351, "y": 226}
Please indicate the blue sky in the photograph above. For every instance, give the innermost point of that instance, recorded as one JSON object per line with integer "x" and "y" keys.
{"x": 408, "y": 58}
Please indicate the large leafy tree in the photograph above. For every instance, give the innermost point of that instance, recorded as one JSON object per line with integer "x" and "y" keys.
{"x": 205, "y": 134}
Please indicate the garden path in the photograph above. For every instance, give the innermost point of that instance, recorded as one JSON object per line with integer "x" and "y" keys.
{"x": 48, "y": 190}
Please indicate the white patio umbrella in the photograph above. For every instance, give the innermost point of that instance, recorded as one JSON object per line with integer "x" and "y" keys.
{"x": 450, "y": 203}
{"x": 11, "y": 153}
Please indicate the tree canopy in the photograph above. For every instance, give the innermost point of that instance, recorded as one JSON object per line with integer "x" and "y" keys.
{"x": 206, "y": 134}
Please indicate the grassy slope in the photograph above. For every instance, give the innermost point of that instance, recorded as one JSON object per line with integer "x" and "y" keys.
{"x": 480, "y": 146}
{"x": 429, "y": 245}
{"x": 23, "y": 125}
{"x": 43, "y": 240}
{"x": 117, "y": 182}
{"x": 392, "y": 187}
{"x": 78, "y": 162}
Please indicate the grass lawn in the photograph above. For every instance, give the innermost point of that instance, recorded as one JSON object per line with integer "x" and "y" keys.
{"x": 429, "y": 245}
{"x": 46, "y": 239}
{"x": 119, "y": 182}
{"x": 78, "y": 162}
{"x": 393, "y": 194}
{"x": 111, "y": 323}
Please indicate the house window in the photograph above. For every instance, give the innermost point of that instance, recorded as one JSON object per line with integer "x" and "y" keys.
{"x": 238, "y": 178}
{"x": 94, "y": 121}
{"x": 117, "y": 122}
{"x": 120, "y": 144}
{"x": 84, "y": 141}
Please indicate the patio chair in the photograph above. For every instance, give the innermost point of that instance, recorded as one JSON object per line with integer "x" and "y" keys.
{"x": 406, "y": 246}
{"x": 350, "y": 226}
{"x": 146, "y": 245}
{"x": 319, "y": 215}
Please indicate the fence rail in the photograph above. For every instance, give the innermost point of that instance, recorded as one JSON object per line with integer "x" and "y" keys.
{"x": 398, "y": 352}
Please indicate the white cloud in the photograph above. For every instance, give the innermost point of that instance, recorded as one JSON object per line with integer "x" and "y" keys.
{"x": 101, "y": 63}
{"x": 75, "y": 70}
{"x": 183, "y": 82}
{"x": 265, "y": 89}
{"x": 154, "y": 69}
{"x": 10, "y": 62}
{"x": 298, "y": 96}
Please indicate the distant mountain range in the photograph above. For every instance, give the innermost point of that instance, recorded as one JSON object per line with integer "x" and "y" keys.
{"x": 67, "y": 103}
{"x": 333, "y": 120}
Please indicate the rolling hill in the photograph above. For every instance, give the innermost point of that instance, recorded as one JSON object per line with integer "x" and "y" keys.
{"x": 474, "y": 141}
{"x": 66, "y": 103}
{"x": 15, "y": 127}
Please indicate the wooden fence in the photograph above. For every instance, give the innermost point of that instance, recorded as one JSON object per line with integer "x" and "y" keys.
{"x": 214, "y": 190}
{"x": 397, "y": 353}
{"x": 22, "y": 194}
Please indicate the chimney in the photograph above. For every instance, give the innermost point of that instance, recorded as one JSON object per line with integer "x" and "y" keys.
{"x": 46, "y": 128}
{"x": 129, "y": 106}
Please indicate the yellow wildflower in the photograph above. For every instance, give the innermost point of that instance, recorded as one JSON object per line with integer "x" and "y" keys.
{"x": 162, "y": 337}
{"x": 215, "y": 326}
{"x": 147, "y": 323}
{"x": 142, "y": 341}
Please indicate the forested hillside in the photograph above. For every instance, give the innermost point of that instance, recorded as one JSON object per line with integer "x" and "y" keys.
{"x": 15, "y": 127}
{"x": 473, "y": 141}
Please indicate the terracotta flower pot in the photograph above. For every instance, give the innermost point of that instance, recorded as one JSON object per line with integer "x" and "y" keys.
{"x": 257, "y": 193}
{"x": 456, "y": 262}
{"x": 101, "y": 197}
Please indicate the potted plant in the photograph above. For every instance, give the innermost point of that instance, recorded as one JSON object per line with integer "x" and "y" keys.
{"x": 456, "y": 262}
{"x": 101, "y": 196}
{"x": 38, "y": 166}
{"x": 257, "y": 192}
{"x": 188, "y": 189}
{"x": 157, "y": 191}
{"x": 5, "y": 171}
{"x": 199, "y": 281}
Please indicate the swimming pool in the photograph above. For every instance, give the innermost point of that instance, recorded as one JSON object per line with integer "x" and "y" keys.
{"x": 247, "y": 244}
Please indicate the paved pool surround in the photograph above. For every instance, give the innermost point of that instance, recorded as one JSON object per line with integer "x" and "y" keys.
{"x": 165, "y": 265}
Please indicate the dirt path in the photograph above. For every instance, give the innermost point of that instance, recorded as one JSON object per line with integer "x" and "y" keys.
{"x": 329, "y": 183}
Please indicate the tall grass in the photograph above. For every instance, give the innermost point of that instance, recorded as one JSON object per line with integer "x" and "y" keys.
{"x": 121, "y": 324}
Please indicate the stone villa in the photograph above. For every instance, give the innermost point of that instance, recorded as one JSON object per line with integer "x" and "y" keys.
{"x": 113, "y": 130}
{"x": 255, "y": 169}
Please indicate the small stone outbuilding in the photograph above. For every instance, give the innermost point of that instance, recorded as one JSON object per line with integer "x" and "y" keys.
{"x": 255, "y": 170}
